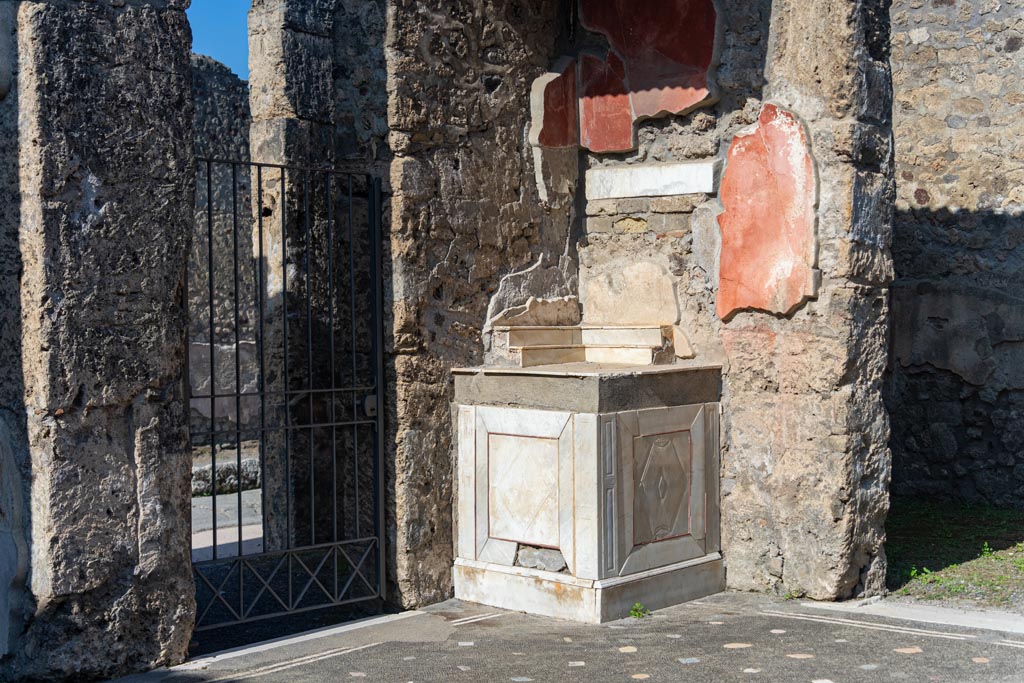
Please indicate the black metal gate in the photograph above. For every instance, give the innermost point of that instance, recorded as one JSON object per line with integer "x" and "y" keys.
{"x": 285, "y": 381}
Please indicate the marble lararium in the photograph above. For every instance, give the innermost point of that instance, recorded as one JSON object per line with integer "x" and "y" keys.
{"x": 769, "y": 246}
{"x": 590, "y": 467}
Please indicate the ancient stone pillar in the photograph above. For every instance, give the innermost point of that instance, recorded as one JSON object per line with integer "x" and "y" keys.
{"x": 13, "y": 446}
{"x": 102, "y": 210}
{"x": 292, "y": 103}
{"x": 806, "y": 462}
{"x": 467, "y": 228}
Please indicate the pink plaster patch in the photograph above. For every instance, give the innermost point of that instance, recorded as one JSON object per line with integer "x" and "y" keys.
{"x": 555, "y": 115}
{"x": 667, "y": 47}
{"x": 769, "y": 248}
{"x": 606, "y": 115}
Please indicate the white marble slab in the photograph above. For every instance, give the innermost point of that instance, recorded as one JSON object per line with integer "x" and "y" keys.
{"x": 523, "y": 489}
{"x": 467, "y": 481}
{"x": 651, "y": 180}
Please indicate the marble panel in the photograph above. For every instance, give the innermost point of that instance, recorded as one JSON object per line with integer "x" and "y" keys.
{"x": 523, "y": 489}
{"x": 467, "y": 478}
{"x": 651, "y": 180}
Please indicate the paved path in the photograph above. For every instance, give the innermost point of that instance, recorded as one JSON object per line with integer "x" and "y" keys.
{"x": 227, "y": 525}
{"x": 729, "y": 637}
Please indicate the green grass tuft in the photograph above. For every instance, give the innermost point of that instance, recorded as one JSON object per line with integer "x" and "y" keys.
{"x": 952, "y": 552}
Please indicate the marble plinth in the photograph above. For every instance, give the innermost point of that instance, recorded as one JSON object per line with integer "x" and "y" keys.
{"x": 614, "y": 467}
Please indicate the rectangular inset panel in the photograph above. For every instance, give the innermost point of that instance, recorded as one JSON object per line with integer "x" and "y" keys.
{"x": 662, "y": 481}
{"x": 467, "y": 482}
{"x": 523, "y": 489}
{"x": 662, "y": 489}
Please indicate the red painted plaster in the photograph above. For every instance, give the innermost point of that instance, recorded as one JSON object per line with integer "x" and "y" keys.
{"x": 769, "y": 248}
{"x": 560, "y": 120}
{"x": 606, "y": 115}
{"x": 666, "y": 45}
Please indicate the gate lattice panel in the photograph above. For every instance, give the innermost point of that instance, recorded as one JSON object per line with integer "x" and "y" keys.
{"x": 285, "y": 381}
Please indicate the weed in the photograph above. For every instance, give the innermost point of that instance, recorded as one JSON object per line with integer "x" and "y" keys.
{"x": 638, "y": 611}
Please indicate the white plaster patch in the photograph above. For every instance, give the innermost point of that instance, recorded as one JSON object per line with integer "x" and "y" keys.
{"x": 651, "y": 180}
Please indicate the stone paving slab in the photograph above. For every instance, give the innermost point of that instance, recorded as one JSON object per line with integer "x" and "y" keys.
{"x": 729, "y": 637}
{"x": 227, "y": 510}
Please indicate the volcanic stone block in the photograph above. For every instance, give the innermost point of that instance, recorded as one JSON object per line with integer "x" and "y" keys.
{"x": 769, "y": 248}
{"x": 106, "y": 182}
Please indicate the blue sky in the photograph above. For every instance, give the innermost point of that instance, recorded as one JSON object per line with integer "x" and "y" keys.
{"x": 219, "y": 29}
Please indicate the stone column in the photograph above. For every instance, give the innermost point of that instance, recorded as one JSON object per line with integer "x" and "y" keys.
{"x": 466, "y": 224}
{"x": 806, "y": 465}
{"x": 106, "y": 183}
{"x": 291, "y": 98}
{"x": 14, "y": 469}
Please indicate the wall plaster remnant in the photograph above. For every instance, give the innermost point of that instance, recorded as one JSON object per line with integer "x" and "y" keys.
{"x": 769, "y": 242}
{"x": 661, "y": 61}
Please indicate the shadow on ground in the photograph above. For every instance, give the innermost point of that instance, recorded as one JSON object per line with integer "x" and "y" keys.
{"x": 943, "y": 551}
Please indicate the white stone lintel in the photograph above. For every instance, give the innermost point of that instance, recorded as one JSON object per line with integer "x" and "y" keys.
{"x": 652, "y": 180}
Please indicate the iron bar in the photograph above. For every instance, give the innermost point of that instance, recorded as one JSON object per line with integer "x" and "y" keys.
{"x": 292, "y": 392}
{"x": 213, "y": 350}
{"x": 352, "y": 350}
{"x": 238, "y": 366}
{"x": 333, "y": 398}
{"x": 309, "y": 359}
{"x": 285, "y": 379}
{"x": 376, "y": 277}
{"x": 259, "y": 348}
{"x": 318, "y": 574}
{"x": 368, "y": 422}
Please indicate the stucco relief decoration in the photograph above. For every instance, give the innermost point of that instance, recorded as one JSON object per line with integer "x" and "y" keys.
{"x": 660, "y": 61}
{"x": 769, "y": 191}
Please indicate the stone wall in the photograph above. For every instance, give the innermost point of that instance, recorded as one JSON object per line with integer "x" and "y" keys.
{"x": 222, "y": 124}
{"x": 805, "y": 460}
{"x": 14, "y": 456}
{"x": 806, "y": 463}
{"x": 106, "y": 195}
{"x": 222, "y": 110}
{"x": 465, "y": 217}
{"x": 956, "y": 390}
